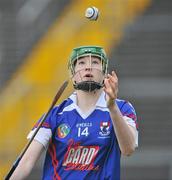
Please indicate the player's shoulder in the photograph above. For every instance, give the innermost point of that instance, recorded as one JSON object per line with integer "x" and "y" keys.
{"x": 121, "y": 102}
{"x": 124, "y": 103}
{"x": 65, "y": 105}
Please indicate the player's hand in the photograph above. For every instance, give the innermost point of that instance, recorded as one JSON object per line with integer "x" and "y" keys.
{"x": 111, "y": 88}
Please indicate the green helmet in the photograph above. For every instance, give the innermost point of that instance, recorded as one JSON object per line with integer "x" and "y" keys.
{"x": 85, "y": 51}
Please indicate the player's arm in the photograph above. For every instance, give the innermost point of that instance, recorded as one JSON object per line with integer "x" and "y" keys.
{"x": 126, "y": 134}
{"x": 28, "y": 161}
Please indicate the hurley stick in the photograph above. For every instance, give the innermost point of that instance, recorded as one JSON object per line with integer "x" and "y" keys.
{"x": 59, "y": 93}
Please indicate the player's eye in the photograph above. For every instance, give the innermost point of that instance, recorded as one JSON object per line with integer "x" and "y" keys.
{"x": 95, "y": 62}
{"x": 81, "y": 62}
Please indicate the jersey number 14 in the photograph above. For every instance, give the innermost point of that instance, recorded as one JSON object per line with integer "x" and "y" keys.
{"x": 83, "y": 132}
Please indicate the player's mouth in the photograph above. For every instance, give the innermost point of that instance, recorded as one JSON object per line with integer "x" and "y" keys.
{"x": 88, "y": 76}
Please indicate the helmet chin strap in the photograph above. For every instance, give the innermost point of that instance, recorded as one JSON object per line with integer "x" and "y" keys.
{"x": 88, "y": 86}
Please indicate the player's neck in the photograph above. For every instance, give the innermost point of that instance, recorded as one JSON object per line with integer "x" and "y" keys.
{"x": 87, "y": 100}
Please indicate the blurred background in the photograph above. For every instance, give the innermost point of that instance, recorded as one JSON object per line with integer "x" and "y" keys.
{"x": 36, "y": 38}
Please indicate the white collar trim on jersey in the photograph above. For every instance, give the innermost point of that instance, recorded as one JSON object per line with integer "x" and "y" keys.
{"x": 101, "y": 102}
{"x": 101, "y": 105}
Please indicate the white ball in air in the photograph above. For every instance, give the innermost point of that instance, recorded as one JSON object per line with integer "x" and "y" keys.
{"x": 92, "y": 13}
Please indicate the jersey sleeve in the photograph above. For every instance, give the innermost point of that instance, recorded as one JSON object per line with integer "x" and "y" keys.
{"x": 130, "y": 116}
{"x": 45, "y": 132}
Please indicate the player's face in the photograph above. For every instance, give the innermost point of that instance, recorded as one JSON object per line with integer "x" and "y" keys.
{"x": 88, "y": 68}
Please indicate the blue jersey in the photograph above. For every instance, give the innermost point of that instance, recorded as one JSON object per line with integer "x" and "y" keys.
{"x": 82, "y": 146}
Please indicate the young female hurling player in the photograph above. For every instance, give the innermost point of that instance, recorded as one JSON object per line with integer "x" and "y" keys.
{"x": 86, "y": 134}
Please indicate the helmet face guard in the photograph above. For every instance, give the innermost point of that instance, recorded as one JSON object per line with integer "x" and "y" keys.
{"x": 91, "y": 51}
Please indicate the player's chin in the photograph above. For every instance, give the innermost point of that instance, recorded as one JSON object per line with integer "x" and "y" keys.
{"x": 88, "y": 79}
